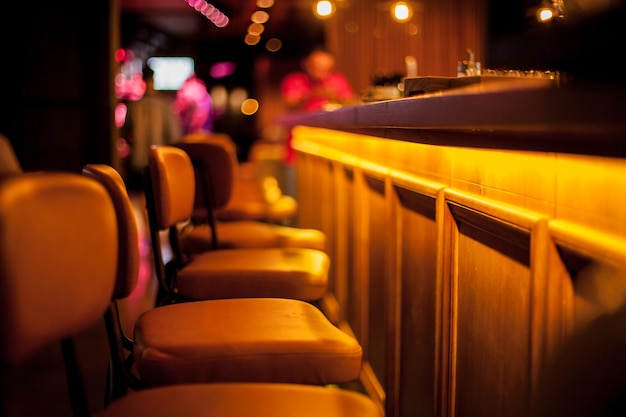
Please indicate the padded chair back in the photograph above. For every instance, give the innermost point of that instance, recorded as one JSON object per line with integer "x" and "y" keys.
{"x": 216, "y": 137}
{"x": 173, "y": 185}
{"x": 58, "y": 259}
{"x": 128, "y": 248}
{"x": 215, "y": 167}
{"x": 9, "y": 164}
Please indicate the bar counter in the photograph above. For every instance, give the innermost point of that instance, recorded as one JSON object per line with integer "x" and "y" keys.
{"x": 531, "y": 114}
{"x": 472, "y": 232}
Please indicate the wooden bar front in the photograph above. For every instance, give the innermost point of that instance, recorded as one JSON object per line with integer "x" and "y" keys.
{"x": 465, "y": 230}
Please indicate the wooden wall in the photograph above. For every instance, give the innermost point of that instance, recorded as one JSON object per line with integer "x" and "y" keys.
{"x": 59, "y": 91}
{"x": 462, "y": 270}
{"x": 368, "y": 41}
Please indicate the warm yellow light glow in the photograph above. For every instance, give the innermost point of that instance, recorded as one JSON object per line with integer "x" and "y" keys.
{"x": 273, "y": 44}
{"x": 252, "y": 39}
{"x": 401, "y": 11}
{"x": 544, "y": 14}
{"x": 249, "y": 106}
{"x": 236, "y": 98}
{"x": 260, "y": 16}
{"x": 271, "y": 189}
{"x": 324, "y": 8}
{"x": 352, "y": 27}
{"x": 255, "y": 29}
{"x": 411, "y": 29}
{"x": 265, "y": 3}
{"x": 219, "y": 95}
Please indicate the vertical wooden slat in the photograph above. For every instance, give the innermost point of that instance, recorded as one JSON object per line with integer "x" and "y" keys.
{"x": 444, "y": 29}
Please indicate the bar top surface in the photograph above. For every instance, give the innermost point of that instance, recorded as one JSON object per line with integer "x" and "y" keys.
{"x": 587, "y": 118}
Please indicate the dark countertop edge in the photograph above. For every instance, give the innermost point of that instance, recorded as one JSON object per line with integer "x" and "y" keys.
{"x": 582, "y": 119}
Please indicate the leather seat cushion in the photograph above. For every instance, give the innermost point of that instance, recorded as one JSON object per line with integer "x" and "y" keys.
{"x": 241, "y": 207}
{"x": 243, "y": 340}
{"x": 267, "y": 272}
{"x": 244, "y": 400}
{"x": 251, "y": 234}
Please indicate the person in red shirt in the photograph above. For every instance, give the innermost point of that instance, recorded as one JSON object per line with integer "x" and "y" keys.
{"x": 319, "y": 86}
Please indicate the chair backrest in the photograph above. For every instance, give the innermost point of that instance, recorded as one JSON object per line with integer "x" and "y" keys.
{"x": 215, "y": 168}
{"x": 170, "y": 192}
{"x": 120, "y": 374}
{"x": 128, "y": 248}
{"x": 58, "y": 259}
{"x": 219, "y": 137}
{"x": 173, "y": 185}
{"x": 9, "y": 164}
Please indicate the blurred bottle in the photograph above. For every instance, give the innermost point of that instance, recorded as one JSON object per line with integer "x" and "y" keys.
{"x": 468, "y": 67}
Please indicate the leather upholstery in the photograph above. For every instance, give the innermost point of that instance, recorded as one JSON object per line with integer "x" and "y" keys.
{"x": 245, "y": 340}
{"x": 175, "y": 192}
{"x": 217, "y": 159}
{"x": 240, "y": 203}
{"x": 128, "y": 259}
{"x": 258, "y": 339}
{"x": 244, "y": 400}
{"x": 58, "y": 263}
{"x": 246, "y": 198}
{"x": 58, "y": 259}
{"x": 251, "y": 234}
{"x": 268, "y": 272}
{"x": 297, "y": 273}
{"x": 246, "y": 204}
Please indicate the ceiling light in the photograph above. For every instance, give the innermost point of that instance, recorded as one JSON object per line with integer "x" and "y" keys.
{"x": 324, "y": 8}
{"x": 211, "y": 12}
{"x": 401, "y": 11}
{"x": 554, "y": 9}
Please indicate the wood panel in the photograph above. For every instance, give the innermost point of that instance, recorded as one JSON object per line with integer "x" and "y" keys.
{"x": 412, "y": 386}
{"x": 490, "y": 289}
{"x": 375, "y": 259}
{"x": 367, "y": 41}
{"x": 470, "y": 269}
{"x": 582, "y": 374}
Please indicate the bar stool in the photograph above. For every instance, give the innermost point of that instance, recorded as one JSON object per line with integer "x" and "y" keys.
{"x": 248, "y": 201}
{"x": 215, "y": 168}
{"x": 296, "y": 273}
{"x": 69, "y": 224}
{"x": 245, "y": 340}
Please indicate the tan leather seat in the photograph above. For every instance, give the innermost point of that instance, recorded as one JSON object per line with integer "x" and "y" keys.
{"x": 244, "y": 400}
{"x": 243, "y": 339}
{"x": 251, "y": 199}
{"x": 68, "y": 223}
{"x": 224, "y": 203}
{"x": 297, "y": 273}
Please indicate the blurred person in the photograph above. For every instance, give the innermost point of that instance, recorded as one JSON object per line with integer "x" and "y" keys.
{"x": 194, "y": 106}
{"x": 318, "y": 86}
{"x": 149, "y": 121}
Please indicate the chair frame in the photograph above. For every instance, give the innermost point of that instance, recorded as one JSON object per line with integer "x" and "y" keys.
{"x": 165, "y": 271}
{"x": 120, "y": 377}
{"x": 206, "y": 189}
{"x": 186, "y": 399}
